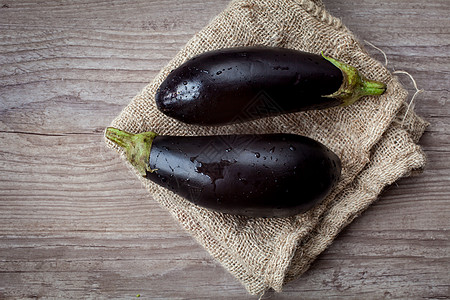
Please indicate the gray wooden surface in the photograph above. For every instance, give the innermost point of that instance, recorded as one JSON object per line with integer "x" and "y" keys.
{"x": 74, "y": 221}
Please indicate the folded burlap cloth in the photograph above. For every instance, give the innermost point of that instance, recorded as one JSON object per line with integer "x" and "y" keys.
{"x": 375, "y": 139}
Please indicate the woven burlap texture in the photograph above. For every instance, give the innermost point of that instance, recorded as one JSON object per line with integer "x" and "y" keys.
{"x": 373, "y": 138}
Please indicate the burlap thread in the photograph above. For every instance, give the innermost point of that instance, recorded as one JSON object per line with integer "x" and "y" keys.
{"x": 368, "y": 136}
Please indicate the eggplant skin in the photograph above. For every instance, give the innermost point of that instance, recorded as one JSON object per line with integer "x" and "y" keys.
{"x": 240, "y": 84}
{"x": 269, "y": 175}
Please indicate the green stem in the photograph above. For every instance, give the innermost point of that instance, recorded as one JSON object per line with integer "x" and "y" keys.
{"x": 354, "y": 85}
{"x": 136, "y": 146}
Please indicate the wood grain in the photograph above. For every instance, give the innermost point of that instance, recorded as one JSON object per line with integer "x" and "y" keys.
{"x": 74, "y": 221}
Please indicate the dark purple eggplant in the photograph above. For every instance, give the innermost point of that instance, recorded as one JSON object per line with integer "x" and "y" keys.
{"x": 268, "y": 175}
{"x": 241, "y": 84}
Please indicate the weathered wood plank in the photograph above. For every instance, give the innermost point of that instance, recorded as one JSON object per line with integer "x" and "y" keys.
{"x": 75, "y": 223}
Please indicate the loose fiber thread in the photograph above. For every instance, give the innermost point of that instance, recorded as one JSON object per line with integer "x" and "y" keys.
{"x": 382, "y": 52}
{"x": 411, "y": 103}
{"x": 418, "y": 91}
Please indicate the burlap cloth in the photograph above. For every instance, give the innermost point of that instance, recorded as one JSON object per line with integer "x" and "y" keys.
{"x": 376, "y": 144}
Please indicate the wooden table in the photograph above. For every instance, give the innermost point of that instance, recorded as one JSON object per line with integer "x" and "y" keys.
{"x": 76, "y": 223}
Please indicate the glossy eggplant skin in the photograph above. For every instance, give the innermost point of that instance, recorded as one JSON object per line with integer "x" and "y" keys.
{"x": 241, "y": 84}
{"x": 270, "y": 175}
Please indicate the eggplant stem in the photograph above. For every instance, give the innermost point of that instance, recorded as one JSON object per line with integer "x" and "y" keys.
{"x": 354, "y": 85}
{"x": 136, "y": 146}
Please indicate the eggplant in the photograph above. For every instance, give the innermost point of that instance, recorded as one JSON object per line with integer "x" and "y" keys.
{"x": 267, "y": 175}
{"x": 245, "y": 83}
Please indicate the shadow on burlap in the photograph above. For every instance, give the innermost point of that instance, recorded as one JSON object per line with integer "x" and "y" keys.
{"x": 375, "y": 144}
